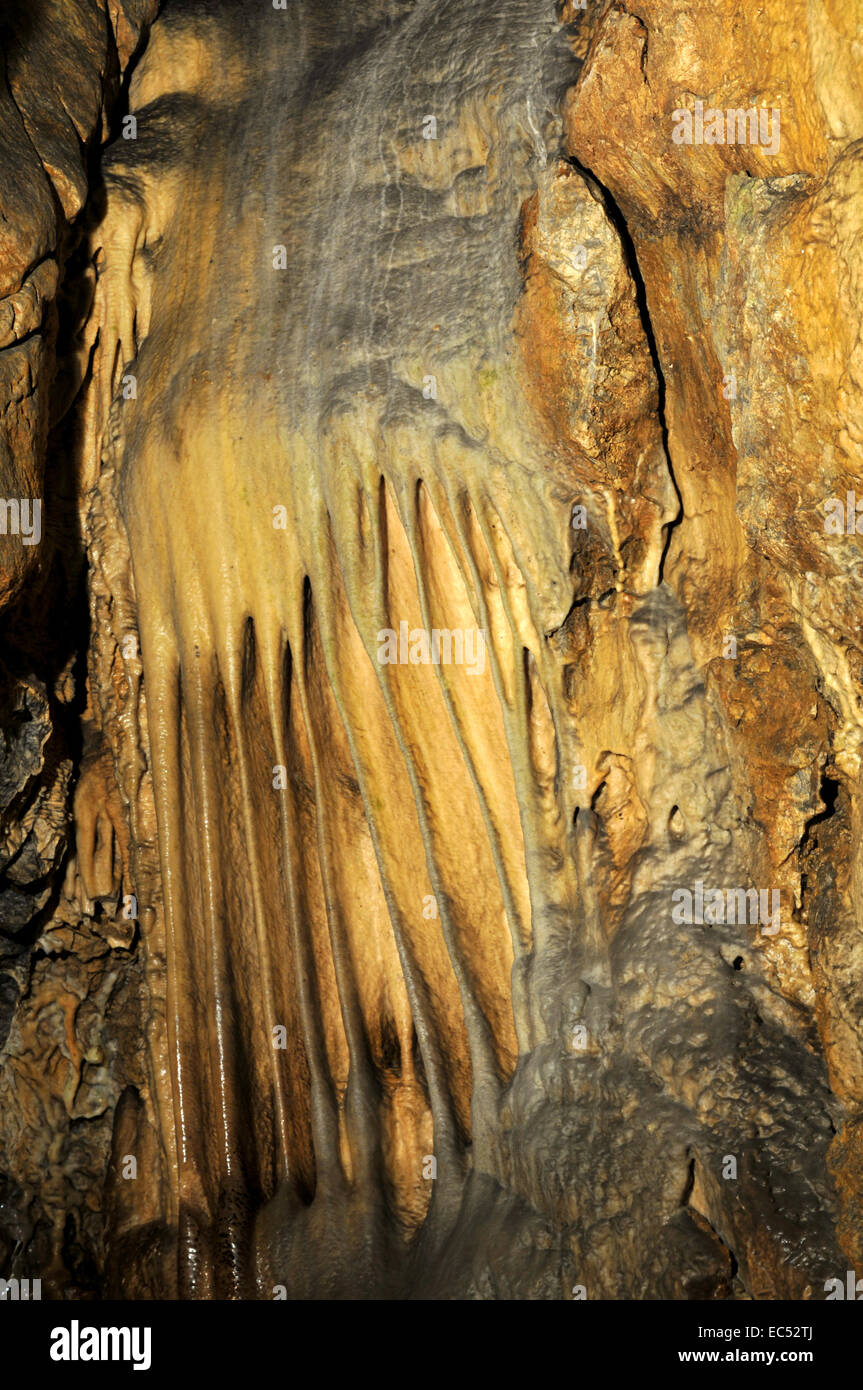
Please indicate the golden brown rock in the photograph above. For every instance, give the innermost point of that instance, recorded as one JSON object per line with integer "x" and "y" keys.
{"x": 526, "y": 956}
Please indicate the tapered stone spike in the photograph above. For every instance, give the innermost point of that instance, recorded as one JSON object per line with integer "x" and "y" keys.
{"x": 430, "y": 583}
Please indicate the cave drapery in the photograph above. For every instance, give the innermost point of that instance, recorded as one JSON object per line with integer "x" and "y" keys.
{"x": 334, "y": 960}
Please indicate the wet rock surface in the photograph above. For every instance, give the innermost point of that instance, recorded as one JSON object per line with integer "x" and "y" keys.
{"x": 343, "y": 959}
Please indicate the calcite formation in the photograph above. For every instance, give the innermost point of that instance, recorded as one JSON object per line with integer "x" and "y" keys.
{"x": 430, "y": 718}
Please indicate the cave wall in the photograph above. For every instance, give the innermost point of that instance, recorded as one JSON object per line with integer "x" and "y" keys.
{"x": 68, "y": 1003}
{"x": 380, "y": 319}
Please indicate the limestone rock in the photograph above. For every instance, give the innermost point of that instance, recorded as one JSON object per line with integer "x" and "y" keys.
{"x": 459, "y": 895}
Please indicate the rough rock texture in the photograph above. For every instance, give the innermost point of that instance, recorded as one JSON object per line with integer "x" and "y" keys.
{"x": 366, "y": 975}
{"x": 68, "y": 1020}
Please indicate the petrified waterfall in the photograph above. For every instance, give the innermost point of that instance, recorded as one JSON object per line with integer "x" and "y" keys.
{"x": 430, "y": 703}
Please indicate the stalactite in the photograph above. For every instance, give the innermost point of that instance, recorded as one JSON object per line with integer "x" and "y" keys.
{"x": 387, "y": 327}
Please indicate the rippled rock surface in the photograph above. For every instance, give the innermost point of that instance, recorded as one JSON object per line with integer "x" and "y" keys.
{"x": 428, "y": 845}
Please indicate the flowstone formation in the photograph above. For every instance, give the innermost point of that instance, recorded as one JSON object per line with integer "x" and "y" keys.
{"x": 430, "y": 723}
